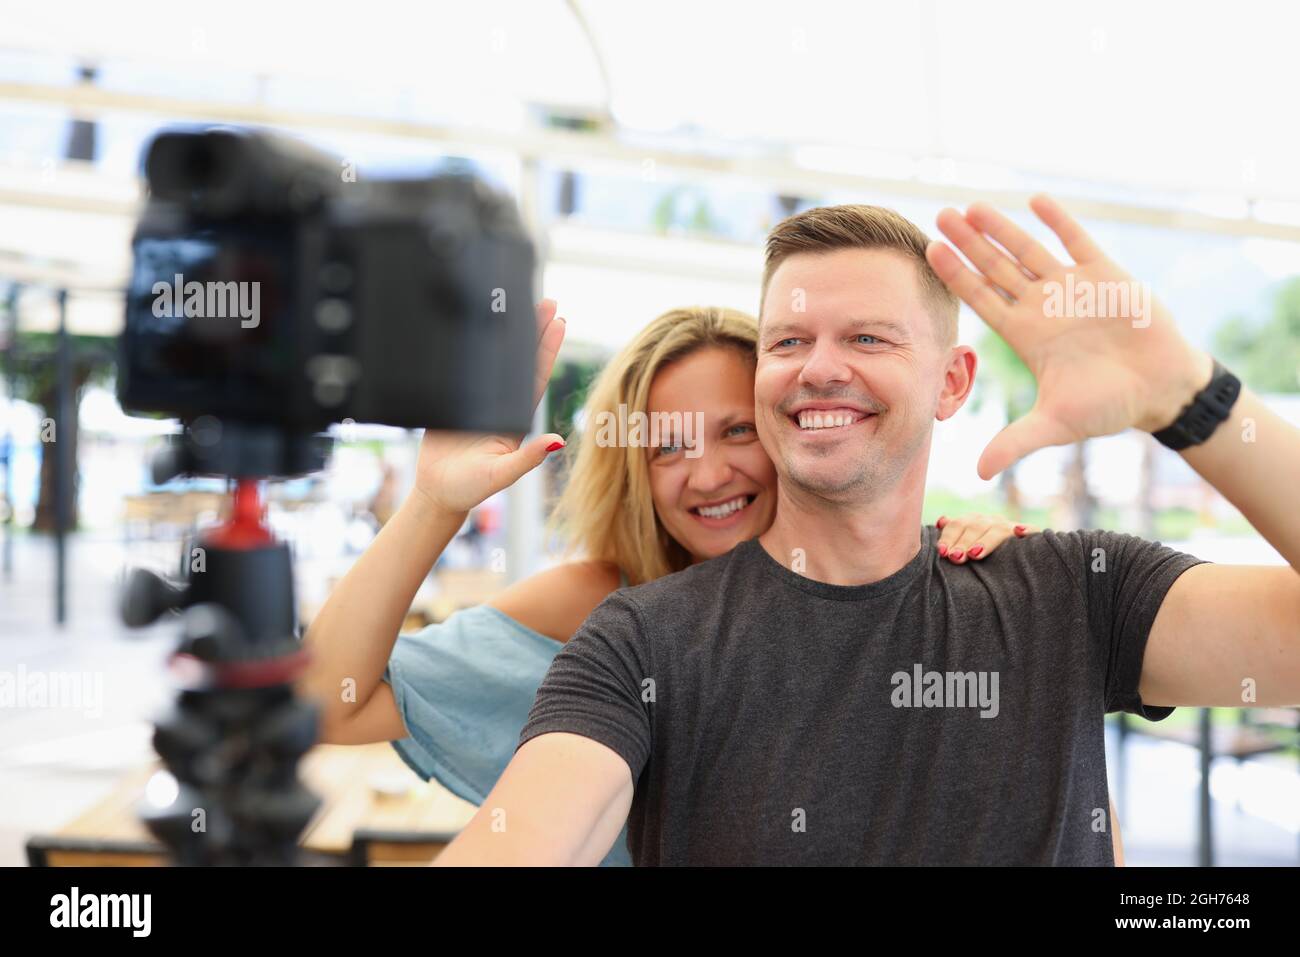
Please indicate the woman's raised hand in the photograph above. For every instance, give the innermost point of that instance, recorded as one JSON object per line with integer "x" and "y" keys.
{"x": 458, "y": 470}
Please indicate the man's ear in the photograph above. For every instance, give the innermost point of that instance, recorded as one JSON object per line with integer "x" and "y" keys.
{"x": 958, "y": 378}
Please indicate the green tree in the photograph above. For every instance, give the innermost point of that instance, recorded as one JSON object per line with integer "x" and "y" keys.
{"x": 1016, "y": 388}
{"x": 1265, "y": 353}
{"x": 1010, "y": 380}
{"x": 697, "y": 218}
{"x": 36, "y": 381}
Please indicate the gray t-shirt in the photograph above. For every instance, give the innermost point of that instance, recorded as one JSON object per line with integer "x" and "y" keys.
{"x": 947, "y": 714}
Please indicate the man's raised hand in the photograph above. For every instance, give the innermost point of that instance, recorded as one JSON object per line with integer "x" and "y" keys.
{"x": 1105, "y": 354}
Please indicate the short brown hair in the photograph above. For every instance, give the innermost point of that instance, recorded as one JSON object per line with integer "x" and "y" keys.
{"x": 828, "y": 228}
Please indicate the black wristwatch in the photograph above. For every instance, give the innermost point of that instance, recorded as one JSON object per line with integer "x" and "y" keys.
{"x": 1207, "y": 411}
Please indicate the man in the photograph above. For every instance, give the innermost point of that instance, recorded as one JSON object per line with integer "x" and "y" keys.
{"x": 833, "y": 692}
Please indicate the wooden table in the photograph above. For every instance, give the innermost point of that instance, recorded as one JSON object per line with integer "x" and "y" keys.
{"x": 359, "y": 822}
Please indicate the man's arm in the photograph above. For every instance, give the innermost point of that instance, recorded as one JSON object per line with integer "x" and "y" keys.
{"x": 1218, "y": 626}
{"x": 562, "y": 800}
{"x": 1224, "y": 630}
{"x": 1226, "y": 636}
{"x": 566, "y": 793}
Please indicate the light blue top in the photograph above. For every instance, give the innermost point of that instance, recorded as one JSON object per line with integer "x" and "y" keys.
{"x": 464, "y": 688}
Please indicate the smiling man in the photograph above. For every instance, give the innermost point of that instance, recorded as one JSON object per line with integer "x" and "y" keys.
{"x": 834, "y": 693}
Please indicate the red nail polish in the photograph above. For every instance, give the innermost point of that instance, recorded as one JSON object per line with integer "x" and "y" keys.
{"x": 977, "y": 551}
{"x": 941, "y": 521}
{"x": 955, "y": 554}
{"x": 943, "y": 549}
{"x": 1019, "y": 529}
{"x": 554, "y": 445}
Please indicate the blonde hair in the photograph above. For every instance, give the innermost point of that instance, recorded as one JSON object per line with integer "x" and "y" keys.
{"x": 606, "y": 510}
{"x": 828, "y": 228}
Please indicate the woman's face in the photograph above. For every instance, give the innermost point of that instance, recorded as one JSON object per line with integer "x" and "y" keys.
{"x": 722, "y": 490}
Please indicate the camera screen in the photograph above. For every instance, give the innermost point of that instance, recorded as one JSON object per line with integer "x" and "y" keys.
{"x": 207, "y": 325}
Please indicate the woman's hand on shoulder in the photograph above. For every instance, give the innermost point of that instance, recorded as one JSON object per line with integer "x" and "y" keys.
{"x": 973, "y": 537}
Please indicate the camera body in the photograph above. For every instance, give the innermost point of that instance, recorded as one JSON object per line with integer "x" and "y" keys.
{"x": 269, "y": 292}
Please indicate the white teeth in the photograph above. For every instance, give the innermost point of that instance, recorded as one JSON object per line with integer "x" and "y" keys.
{"x": 725, "y": 509}
{"x": 825, "y": 420}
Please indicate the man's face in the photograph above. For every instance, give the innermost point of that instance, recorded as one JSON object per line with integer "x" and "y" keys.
{"x": 850, "y": 372}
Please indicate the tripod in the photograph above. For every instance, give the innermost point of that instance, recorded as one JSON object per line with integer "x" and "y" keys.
{"x": 233, "y": 737}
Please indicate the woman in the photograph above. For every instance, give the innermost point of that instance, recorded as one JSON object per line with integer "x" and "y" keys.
{"x": 454, "y": 696}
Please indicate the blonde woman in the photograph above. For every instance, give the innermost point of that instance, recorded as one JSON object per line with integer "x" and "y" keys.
{"x": 453, "y": 697}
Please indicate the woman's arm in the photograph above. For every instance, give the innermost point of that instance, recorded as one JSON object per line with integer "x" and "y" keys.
{"x": 552, "y": 603}
{"x": 352, "y": 637}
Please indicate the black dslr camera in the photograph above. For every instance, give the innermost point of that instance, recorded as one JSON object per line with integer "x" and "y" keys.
{"x": 268, "y": 290}
{"x": 269, "y": 298}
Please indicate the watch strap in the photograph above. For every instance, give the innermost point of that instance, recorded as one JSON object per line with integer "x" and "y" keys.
{"x": 1204, "y": 414}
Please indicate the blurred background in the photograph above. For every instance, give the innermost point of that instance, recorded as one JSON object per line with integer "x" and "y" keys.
{"x": 650, "y": 149}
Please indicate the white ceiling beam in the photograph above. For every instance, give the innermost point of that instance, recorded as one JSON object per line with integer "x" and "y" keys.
{"x": 587, "y": 150}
